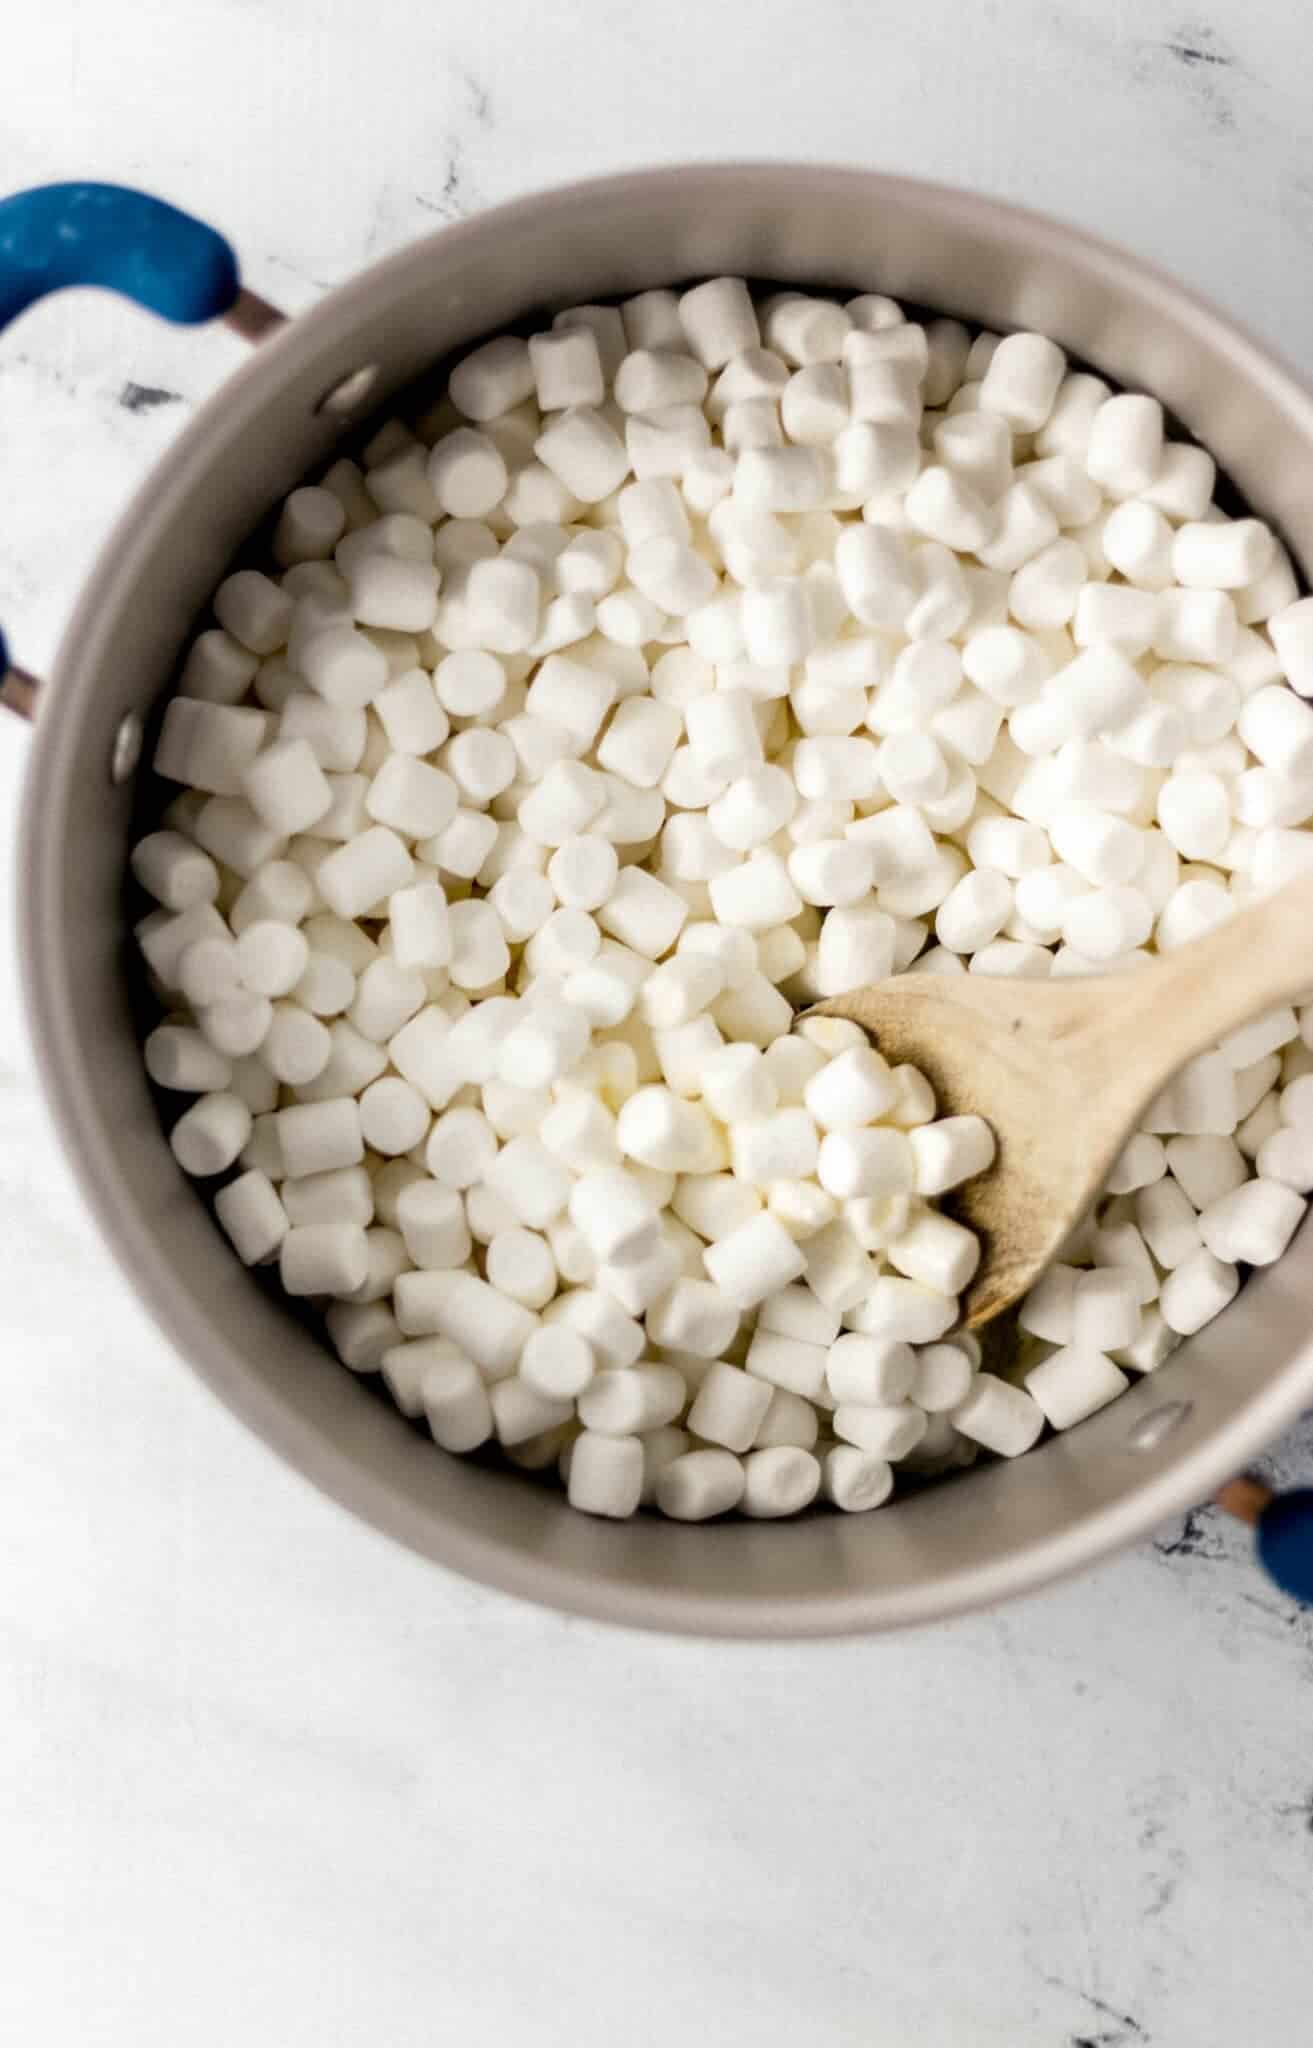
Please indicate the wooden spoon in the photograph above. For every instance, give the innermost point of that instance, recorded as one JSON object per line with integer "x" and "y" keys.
{"x": 1063, "y": 1070}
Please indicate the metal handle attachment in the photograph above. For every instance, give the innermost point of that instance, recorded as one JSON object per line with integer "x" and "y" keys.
{"x": 123, "y": 241}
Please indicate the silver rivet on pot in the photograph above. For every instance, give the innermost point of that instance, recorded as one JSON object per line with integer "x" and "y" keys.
{"x": 127, "y": 747}
{"x": 349, "y": 392}
{"x": 1154, "y": 1428}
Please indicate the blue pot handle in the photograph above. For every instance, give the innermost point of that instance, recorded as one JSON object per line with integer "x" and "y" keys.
{"x": 1284, "y": 1536}
{"x": 124, "y": 241}
{"x": 57, "y": 235}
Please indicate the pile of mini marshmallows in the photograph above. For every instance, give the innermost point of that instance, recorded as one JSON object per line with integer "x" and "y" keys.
{"x": 691, "y": 661}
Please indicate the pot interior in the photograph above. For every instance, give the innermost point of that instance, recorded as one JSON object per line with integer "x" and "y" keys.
{"x": 999, "y": 1528}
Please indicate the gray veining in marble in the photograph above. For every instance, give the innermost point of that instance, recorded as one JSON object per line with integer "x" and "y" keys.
{"x": 263, "y": 1778}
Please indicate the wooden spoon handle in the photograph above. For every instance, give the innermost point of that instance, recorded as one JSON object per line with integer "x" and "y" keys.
{"x": 1157, "y": 1020}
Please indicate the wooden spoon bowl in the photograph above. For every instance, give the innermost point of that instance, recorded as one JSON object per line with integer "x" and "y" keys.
{"x": 1063, "y": 1070}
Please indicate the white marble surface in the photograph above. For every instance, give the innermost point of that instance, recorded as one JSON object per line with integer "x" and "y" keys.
{"x": 265, "y": 1779}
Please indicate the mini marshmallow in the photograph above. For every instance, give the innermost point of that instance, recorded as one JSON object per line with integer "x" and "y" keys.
{"x": 208, "y": 746}
{"x": 208, "y": 1137}
{"x": 252, "y": 1216}
{"x": 1221, "y": 555}
{"x": 889, "y": 1431}
{"x": 1125, "y": 444}
{"x": 779, "y": 623}
{"x": 755, "y": 1260}
{"x": 1073, "y": 1384}
{"x": 1292, "y": 636}
{"x": 606, "y": 1475}
{"x": 520, "y": 1264}
{"x": 1195, "y": 626}
{"x": 804, "y": 329}
{"x": 856, "y": 947}
{"x": 360, "y": 874}
{"x": 943, "y": 507}
{"x": 949, "y": 1152}
{"x": 431, "y": 1219}
{"x": 870, "y": 1371}
{"x": 217, "y": 668}
{"x": 1197, "y": 1290}
{"x": 1023, "y": 380}
{"x": 974, "y": 911}
{"x": 1004, "y": 1419}
{"x": 323, "y": 1258}
{"x": 643, "y": 914}
{"x": 779, "y": 1480}
{"x": 729, "y": 1407}
{"x": 295, "y": 1046}
{"x": 421, "y": 929}
{"x": 627, "y": 1400}
{"x": 341, "y": 1194}
{"x": 394, "y": 1117}
{"x": 614, "y": 1216}
{"x": 942, "y": 1377}
{"x": 899, "y": 1308}
{"x": 755, "y": 895}
{"x": 445, "y": 1387}
{"x": 316, "y": 1137}
{"x": 394, "y": 593}
{"x": 719, "y": 320}
{"x": 1252, "y": 1224}
{"x": 782, "y": 1145}
{"x": 866, "y": 1162}
{"x": 176, "y": 873}
{"x": 1278, "y": 727}
{"x": 493, "y": 379}
{"x": 520, "y": 1412}
{"x": 1206, "y": 1168}
{"x": 856, "y": 1480}
{"x": 700, "y": 1485}
{"x": 936, "y": 1251}
{"x": 270, "y": 958}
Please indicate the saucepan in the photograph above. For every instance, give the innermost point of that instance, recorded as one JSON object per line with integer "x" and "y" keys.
{"x": 308, "y": 382}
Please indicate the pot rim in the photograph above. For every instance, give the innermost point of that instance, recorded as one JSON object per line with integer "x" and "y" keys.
{"x": 87, "y": 1139}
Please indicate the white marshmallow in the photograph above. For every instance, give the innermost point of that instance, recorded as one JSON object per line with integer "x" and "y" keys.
{"x": 700, "y": 1485}
{"x": 1221, "y": 554}
{"x": 606, "y": 1475}
{"x": 754, "y": 1260}
{"x": 394, "y": 1117}
{"x": 323, "y": 1258}
{"x": 719, "y": 320}
{"x": 1022, "y": 381}
{"x": 1125, "y": 444}
{"x": 856, "y": 947}
{"x": 935, "y": 1251}
{"x": 1004, "y": 1419}
{"x": 1253, "y": 1223}
{"x": 888, "y": 1431}
{"x": 1292, "y": 636}
{"x": 899, "y": 1308}
{"x": 942, "y": 1378}
{"x": 1197, "y": 1290}
{"x": 856, "y": 1480}
{"x": 949, "y": 1152}
{"x": 804, "y": 329}
{"x": 782, "y": 1479}
{"x": 360, "y": 874}
{"x": 1073, "y": 1384}
{"x": 866, "y": 1162}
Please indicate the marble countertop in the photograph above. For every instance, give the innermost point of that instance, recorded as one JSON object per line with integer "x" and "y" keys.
{"x": 265, "y": 1779}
